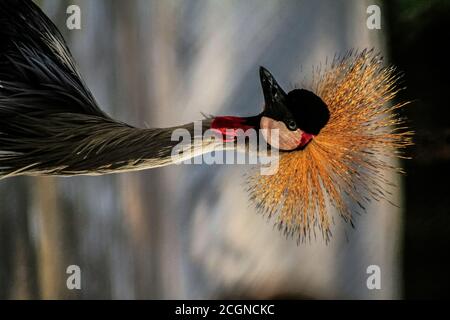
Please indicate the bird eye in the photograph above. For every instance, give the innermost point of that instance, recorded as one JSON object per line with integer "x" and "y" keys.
{"x": 292, "y": 125}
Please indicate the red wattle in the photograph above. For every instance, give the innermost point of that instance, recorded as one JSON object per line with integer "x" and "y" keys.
{"x": 228, "y": 125}
{"x": 306, "y": 137}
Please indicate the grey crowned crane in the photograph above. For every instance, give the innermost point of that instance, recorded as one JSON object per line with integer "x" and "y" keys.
{"x": 331, "y": 137}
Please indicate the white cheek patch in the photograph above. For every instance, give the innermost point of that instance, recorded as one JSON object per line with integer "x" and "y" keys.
{"x": 287, "y": 139}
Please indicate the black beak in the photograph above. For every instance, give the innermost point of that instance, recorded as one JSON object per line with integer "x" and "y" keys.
{"x": 275, "y": 99}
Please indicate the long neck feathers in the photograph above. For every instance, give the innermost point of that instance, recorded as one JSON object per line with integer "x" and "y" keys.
{"x": 50, "y": 124}
{"x": 75, "y": 144}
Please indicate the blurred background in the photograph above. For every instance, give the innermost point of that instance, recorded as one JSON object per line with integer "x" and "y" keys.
{"x": 189, "y": 231}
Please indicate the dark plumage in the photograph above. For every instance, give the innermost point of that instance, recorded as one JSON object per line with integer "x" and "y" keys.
{"x": 50, "y": 124}
{"x": 310, "y": 112}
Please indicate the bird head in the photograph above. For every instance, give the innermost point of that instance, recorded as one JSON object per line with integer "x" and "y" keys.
{"x": 298, "y": 115}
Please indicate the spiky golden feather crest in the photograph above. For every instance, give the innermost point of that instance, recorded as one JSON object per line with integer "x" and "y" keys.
{"x": 348, "y": 161}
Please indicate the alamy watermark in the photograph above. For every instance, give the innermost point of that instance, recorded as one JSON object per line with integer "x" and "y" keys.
{"x": 374, "y": 19}
{"x": 373, "y": 281}
{"x": 73, "y": 21}
{"x": 233, "y": 146}
{"x": 73, "y": 281}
